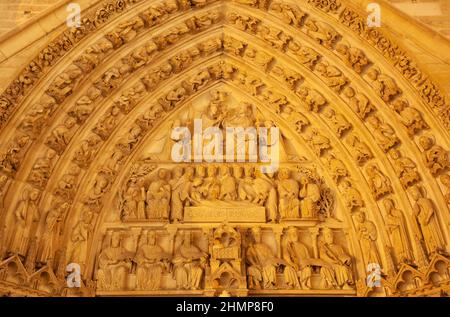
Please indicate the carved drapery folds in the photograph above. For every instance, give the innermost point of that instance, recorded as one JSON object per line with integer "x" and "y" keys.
{"x": 236, "y": 259}
{"x": 164, "y": 194}
{"x": 363, "y": 175}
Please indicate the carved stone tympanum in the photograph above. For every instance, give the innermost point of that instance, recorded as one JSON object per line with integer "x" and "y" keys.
{"x": 224, "y": 148}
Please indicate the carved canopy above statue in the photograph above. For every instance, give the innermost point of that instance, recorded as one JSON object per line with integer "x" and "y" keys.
{"x": 87, "y": 177}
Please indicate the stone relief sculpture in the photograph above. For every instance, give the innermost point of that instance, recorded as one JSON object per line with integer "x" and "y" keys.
{"x": 359, "y": 102}
{"x": 243, "y": 22}
{"x": 398, "y": 231}
{"x": 4, "y": 182}
{"x": 60, "y": 136}
{"x": 313, "y": 99}
{"x": 434, "y": 156}
{"x": 368, "y": 235}
{"x": 310, "y": 194}
{"x": 294, "y": 117}
{"x": 262, "y": 263}
{"x": 383, "y": 133}
{"x": 225, "y": 247}
{"x": 352, "y": 195}
{"x": 318, "y": 142}
{"x": 151, "y": 262}
{"x": 405, "y": 168}
{"x": 42, "y": 169}
{"x": 189, "y": 262}
{"x": 25, "y": 217}
{"x": 47, "y": 246}
{"x": 290, "y": 14}
{"x": 165, "y": 194}
{"x": 10, "y": 159}
{"x": 353, "y": 57}
{"x": 337, "y": 167}
{"x": 275, "y": 37}
{"x": 79, "y": 237}
{"x": 337, "y": 121}
{"x": 378, "y": 182}
{"x": 82, "y": 109}
{"x": 332, "y": 76}
{"x": 86, "y": 151}
{"x": 36, "y": 119}
{"x": 337, "y": 272}
{"x": 155, "y": 204}
{"x": 67, "y": 184}
{"x": 158, "y": 197}
{"x": 181, "y": 185}
{"x": 288, "y": 188}
{"x": 114, "y": 263}
{"x": 360, "y": 151}
{"x": 292, "y": 78}
{"x": 321, "y": 32}
{"x": 427, "y": 224}
{"x": 304, "y": 54}
{"x": 298, "y": 268}
{"x": 384, "y": 85}
{"x": 411, "y": 118}
{"x": 258, "y": 57}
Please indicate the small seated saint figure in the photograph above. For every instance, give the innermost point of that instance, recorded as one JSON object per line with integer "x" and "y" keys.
{"x": 151, "y": 262}
{"x": 261, "y": 263}
{"x": 337, "y": 274}
{"x": 188, "y": 264}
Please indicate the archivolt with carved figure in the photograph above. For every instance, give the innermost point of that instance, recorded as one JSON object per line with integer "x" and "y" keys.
{"x": 88, "y": 181}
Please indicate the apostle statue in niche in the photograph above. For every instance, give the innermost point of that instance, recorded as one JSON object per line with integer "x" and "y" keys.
{"x": 241, "y": 116}
{"x": 25, "y": 214}
{"x": 227, "y": 185}
{"x": 396, "y": 227}
{"x": 379, "y": 184}
{"x": 310, "y": 194}
{"x": 210, "y": 184}
{"x": 298, "y": 269}
{"x": 188, "y": 264}
{"x": 151, "y": 262}
{"x": 141, "y": 208}
{"x": 367, "y": 235}
{"x": 337, "y": 273}
{"x": 114, "y": 263}
{"x": 262, "y": 263}
{"x": 266, "y": 193}
{"x": 129, "y": 202}
{"x": 445, "y": 180}
{"x": 246, "y": 188}
{"x": 181, "y": 184}
{"x": 426, "y": 221}
{"x": 80, "y": 235}
{"x": 46, "y": 247}
{"x": 198, "y": 190}
{"x": 158, "y": 197}
{"x": 435, "y": 156}
{"x": 214, "y": 114}
{"x": 288, "y": 191}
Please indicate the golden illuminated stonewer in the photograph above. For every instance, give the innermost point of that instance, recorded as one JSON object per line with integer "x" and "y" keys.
{"x": 224, "y": 148}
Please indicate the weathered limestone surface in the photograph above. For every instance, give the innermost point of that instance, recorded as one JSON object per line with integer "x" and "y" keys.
{"x": 93, "y": 201}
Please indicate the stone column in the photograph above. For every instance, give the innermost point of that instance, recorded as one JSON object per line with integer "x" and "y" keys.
{"x": 314, "y": 232}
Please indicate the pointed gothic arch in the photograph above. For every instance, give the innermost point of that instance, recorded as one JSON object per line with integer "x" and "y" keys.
{"x": 368, "y": 122}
